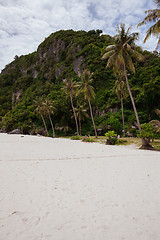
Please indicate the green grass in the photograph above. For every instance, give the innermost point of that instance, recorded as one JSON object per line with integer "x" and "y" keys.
{"x": 76, "y": 137}
{"x": 122, "y": 141}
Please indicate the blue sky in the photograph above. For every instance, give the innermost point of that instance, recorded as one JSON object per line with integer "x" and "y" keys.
{"x": 24, "y": 24}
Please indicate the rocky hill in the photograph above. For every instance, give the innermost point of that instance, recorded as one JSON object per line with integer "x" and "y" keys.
{"x": 66, "y": 54}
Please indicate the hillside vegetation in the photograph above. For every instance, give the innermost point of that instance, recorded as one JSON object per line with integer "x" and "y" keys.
{"x": 65, "y": 55}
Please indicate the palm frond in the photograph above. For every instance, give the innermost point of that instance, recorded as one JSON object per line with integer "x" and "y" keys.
{"x": 127, "y": 46}
{"x": 158, "y": 112}
{"x": 151, "y": 17}
{"x": 157, "y": 2}
{"x": 155, "y": 30}
{"x": 137, "y": 55}
{"x": 119, "y": 61}
{"x": 107, "y": 54}
{"x": 110, "y": 47}
{"x": 111, "y": 60}
{"x": 129, "y": 63}
{"x": 158, "y": 43}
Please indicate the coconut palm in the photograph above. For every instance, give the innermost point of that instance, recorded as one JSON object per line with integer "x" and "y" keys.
{"x": 88, "y": 91}
{"x": 40, "y": 109}
{"x": 49, "y": 108}
{"x": 120, "y": 56}
{"x": 69, "y": 89}
{"x": 153, "y": 15}
{"x": 120, "y": 90}
{"x": 81, "y": 114}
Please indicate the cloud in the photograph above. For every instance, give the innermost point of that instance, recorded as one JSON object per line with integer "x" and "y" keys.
{"x": 24, "y": 24}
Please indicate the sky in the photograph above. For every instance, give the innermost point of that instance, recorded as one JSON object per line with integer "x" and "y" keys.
{"x": 24, "y": 24}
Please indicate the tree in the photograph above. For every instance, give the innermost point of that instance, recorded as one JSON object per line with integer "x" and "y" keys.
{"x": 69, "y": 89}
{"x": 40, "y": 109}
{"x": 88, "y": 91}
{"x": 153, "y": 15}
{"x": 48, "y": 107}
{"x": 120, "y": 56}
{"x": 120, "y": 90}
{"x": 81, "y": 114}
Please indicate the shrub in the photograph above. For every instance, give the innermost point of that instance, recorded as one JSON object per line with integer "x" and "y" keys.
{"x": 148, "y": 132}
{"x": 112, "y": 138}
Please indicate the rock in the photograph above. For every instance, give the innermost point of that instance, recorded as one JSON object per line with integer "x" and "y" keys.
{"x": 41, "y": 131}
{"x": 16, "y": 131}
{"x": 107, "y": 142}
{"x": 84, "y": 138}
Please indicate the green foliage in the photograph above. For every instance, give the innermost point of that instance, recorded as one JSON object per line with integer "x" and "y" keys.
{"x": 112, "y": 137}
{"x": 110, "y": 134}
{"x": 41, "y": 74}
{"x": 148, "y": 131}
{"x": 76, "y": 137}
{"x": 88, "y": 139}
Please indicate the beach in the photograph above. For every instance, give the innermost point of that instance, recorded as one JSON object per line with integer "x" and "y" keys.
{"x": 61, "y": 189}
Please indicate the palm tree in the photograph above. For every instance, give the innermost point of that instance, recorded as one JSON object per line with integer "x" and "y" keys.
{"x": 40, "y": 109}
{"x": 153, "y": 15}
{"x": 120, "y": 56}
{"x": 48, "y": 107}
{"x": 69, "y": 89}
{"x": 120, "y": 90}
{"x": 88, "y": 90}
{"x": 81, "y": 114}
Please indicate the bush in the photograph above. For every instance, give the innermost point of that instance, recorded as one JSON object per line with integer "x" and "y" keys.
{"x": 110, "y": 134}
{"x": 112, "y": 138}
{"x": 147, "y": 132}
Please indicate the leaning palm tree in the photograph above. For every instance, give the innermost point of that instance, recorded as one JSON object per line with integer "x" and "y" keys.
{"x": 49, "y": 108}
{"x": 120, "y": 56}
{"x": 40, "y": 109}
{"x": 120, "y": 90}
{"x": 69, "y": 89}
{"x": 88, "y": 90}
{"x": 153, "y": 15}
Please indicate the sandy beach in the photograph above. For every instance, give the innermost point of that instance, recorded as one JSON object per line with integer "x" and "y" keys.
{"x": 60, "y": 189}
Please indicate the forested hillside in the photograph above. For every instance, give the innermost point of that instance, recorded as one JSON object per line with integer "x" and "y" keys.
{"x": 65, "y": 55}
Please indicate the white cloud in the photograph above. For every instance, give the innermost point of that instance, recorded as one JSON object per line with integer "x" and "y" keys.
{"x": 24, "y": 24}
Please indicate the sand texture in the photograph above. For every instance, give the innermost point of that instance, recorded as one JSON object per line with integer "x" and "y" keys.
{"x": 60, "y": 189}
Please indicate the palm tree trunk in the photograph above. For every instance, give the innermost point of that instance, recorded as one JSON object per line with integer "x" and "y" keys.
{"x": 123, "y": 116}
{"x": 133, "y": 103}
{"x": 44, "y": 124}
{"x": 80, "y": 126}
{"x": 92, "y": 118}
{"x": 74, "y": 114}
{"x": 51, "y": 125}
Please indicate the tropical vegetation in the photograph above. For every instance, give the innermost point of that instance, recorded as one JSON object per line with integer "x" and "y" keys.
{"x": 54, "y": 90}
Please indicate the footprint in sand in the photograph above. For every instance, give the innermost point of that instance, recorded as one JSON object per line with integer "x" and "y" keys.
{"x": 34, "y": 220}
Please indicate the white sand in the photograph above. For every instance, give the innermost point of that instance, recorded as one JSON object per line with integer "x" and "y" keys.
{"x": 58, "y": 189}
